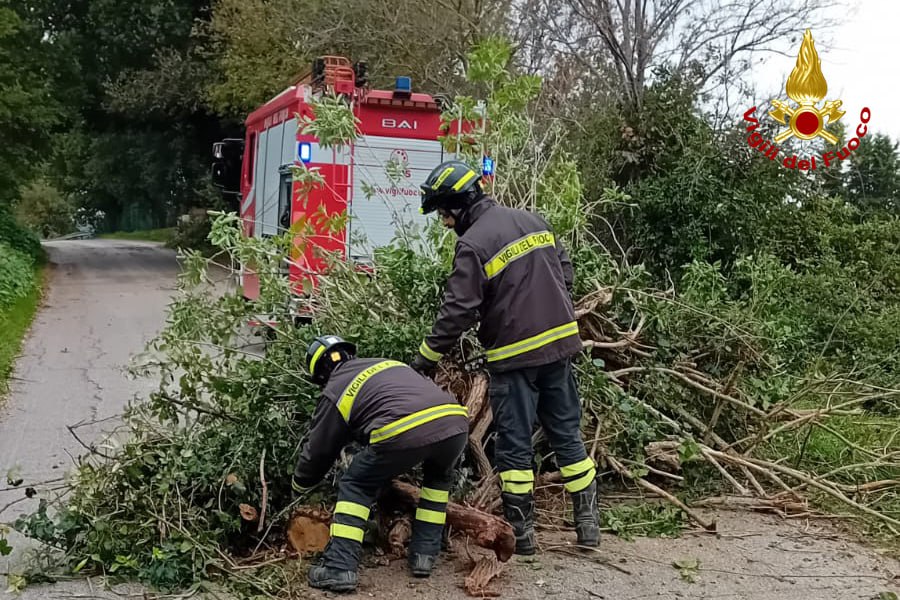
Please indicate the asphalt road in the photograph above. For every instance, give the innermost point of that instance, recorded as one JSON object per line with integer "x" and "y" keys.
{"x": 104, "y": 300}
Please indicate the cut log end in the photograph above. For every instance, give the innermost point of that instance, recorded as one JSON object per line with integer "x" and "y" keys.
{"x": 307, "y": 531}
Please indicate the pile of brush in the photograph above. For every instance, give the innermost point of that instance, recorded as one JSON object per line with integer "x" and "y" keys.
{"x": 693, "y": 432}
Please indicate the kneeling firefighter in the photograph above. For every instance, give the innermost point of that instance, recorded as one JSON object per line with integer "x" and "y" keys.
{"x": 514, "y": 277}
{"x": 402, "y": 419}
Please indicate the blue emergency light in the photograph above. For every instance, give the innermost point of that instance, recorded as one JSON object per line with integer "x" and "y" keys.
{"x": 304, "y": 151}
{"x": 487, "y": 166}
{"x": 403, "y": 85}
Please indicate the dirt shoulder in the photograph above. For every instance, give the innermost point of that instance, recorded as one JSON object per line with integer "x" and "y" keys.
{"x": 753, "y": 557}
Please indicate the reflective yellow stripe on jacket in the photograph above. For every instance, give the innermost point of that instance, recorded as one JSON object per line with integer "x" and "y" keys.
{"x": 516, "y": 250}
{"x": 414, "y": 420}
{"x": 532, "y": 343}
{"x": 345, "y": 405}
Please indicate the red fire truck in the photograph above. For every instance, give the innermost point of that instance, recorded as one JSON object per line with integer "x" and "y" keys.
{"x": 395, "y": 126}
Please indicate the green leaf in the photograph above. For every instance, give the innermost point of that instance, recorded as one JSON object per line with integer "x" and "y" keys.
{"x": 81, "y": 565}
{"x": 488, "y": 60}
{"x": 688, "y": 450}
{"x": 689, "y": 568}
{"x": 5, "y": 548}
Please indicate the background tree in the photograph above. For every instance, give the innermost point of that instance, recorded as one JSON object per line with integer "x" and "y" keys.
{"x": 29, "y": 109}
{"x": 619, "y": 43}
{"x": 261, "y": 47}
{"x": 44, "y": 210}
{"x": 137, "y": 143}
{"x": 873, "y": 178}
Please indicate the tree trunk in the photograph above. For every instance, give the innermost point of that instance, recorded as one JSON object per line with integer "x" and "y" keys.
{"x": 308, "y": 527}
{"x": 486, "y": 530}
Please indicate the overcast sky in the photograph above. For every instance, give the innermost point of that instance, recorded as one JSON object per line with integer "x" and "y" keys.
{"x": 860, "y": 62}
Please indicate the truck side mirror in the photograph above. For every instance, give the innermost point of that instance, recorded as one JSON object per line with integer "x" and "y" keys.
{"x": 226, "y": 169}
{"x": 219, "y": 174}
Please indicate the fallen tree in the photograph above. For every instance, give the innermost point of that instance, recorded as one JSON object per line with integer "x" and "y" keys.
{"x": 689, "y": 387}
{"x": 483, "y": 529}
{"x": 306, "y": 534}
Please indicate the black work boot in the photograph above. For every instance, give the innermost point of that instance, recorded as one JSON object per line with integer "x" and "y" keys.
{"x": 587, "y": 516}
{"x": 334, "y": 580}
{"x": 421, "y": 564}
{"x": 519, "y": 512}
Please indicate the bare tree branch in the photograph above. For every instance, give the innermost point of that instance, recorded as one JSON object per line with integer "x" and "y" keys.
{"x": 634, "y": 36}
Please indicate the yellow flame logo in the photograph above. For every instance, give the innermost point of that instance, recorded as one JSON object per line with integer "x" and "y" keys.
{"x": 807, "y": 87}
{"x": 807, "y": 84}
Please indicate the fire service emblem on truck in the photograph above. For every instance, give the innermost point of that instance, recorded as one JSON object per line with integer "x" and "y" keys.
{"x": 400, "y": 158}
{"x": 804, "y": 118}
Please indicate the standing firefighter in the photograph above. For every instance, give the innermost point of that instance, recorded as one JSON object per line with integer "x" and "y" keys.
{"x": 511, "y": 274}
{"x": 403, "y": 420}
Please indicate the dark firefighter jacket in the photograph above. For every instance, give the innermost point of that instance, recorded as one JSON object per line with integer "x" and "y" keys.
{"x": 511, "y": 273}
{"x": 379, "y": 402}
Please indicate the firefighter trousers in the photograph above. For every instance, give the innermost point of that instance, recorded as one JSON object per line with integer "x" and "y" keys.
{"x": 548, "y": 394}
{"x": 369, "y": 471}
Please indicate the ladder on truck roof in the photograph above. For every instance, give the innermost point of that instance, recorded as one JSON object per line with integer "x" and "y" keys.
{"x": 333, "y": 73}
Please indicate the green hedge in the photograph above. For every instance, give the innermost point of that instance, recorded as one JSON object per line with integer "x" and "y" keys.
{"x": 16, "y": 275}
{"x": 14, "y": 322}
{"x": 18, "y": 238}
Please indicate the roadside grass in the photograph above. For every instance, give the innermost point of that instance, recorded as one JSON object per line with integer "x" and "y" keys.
{"x": 849, "y": 448}
{"x": 14, "y": 322}
{"x": 148, "y": 235}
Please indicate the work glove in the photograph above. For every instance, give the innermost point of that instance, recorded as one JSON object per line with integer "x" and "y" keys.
{"x": 423, "y": 366}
